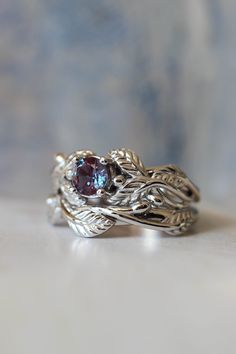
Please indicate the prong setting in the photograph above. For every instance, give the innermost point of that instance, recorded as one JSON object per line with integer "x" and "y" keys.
{"x": 104, "y": 160}
{"x": 101, "y": 192}
{"x": 89, "y": 175}
{"x": 118, "y": 180}
{"x": 70, "y": 174}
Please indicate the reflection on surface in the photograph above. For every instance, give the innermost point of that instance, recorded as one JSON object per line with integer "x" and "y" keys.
{"x": 133, "y": 241}
{"x": 81, "y": 246}
{"x": 120, "y": 239}
{"x": 151, "y": 240}
{"x": 122, "y": 231}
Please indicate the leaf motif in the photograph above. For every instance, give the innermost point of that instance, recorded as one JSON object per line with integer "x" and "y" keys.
{"x": 56, "y": 177}
{"x": 54, "y": 211}
{"x": 71, "y": 194}
{"x": 172, "y": 169}
{"x": 129, "y": 192}
{"x": 85, "y": 221}
{"x": 128, "y": 162}
{"x": 182, "y": 220}
{"x": 184, "y": 188}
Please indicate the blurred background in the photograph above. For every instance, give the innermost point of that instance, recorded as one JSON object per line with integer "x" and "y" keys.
{"x": 157, "y": 76}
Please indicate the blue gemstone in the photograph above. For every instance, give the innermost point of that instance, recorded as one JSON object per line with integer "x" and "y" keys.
{"x": 91, "y": 175}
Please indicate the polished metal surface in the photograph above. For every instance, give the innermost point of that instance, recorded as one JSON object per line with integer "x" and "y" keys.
{"x": 155, "y": 197}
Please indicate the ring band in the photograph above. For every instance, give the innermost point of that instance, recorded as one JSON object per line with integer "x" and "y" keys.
{"x": 93, "y": 193}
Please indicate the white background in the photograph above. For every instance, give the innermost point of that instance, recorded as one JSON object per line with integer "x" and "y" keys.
{"x": 131, "y": 291}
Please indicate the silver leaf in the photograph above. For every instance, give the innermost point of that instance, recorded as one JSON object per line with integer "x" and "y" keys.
{"x": 86, "y": 221}
{"x": 129, "y": 191}
{"x": 128, "y": 162}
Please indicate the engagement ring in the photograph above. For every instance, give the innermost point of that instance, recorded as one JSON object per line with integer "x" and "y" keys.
{"x": 93, "y": 193}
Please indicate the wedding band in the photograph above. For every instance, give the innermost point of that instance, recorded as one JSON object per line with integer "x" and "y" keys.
{"x": 93, "y": 193}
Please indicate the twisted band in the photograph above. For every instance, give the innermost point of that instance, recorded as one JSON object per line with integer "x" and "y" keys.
{"x": 93, "y": 193}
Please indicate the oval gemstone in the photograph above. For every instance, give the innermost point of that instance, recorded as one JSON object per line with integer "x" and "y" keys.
{"x": 91, "y": 175}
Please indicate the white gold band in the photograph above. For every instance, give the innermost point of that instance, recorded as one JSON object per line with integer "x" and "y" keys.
{"x": 93, "y": 193}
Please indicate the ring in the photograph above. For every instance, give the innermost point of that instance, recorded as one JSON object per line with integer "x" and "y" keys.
{"x": 93, "y": 193}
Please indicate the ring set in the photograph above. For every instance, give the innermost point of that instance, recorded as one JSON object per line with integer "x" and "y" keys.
{"x": 93, "y": 193}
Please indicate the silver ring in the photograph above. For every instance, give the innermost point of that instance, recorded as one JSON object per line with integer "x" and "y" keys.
{"x": 93, "y": 193}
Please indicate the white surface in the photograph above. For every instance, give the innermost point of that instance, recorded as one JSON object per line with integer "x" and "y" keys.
{"x": 143, "y": 293}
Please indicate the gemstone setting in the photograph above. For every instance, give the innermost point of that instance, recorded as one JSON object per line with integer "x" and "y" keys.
{"x": 91, "y": 176}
